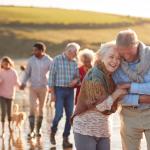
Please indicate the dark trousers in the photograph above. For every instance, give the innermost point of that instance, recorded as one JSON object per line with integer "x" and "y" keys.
{"x": 64, "y": 99}
{"x": 86, "y": 142}
{"x": 6, "y": 106}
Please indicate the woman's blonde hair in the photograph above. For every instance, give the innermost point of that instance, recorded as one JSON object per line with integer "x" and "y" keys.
{"x": 88, "y": 53}
{"x": 8, "y": 60}
{"x": 104, "y": 48}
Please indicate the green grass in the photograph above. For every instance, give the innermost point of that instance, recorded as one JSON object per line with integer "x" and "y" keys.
{"x": 58, "y": 16}
{"x": 21, "y": 27}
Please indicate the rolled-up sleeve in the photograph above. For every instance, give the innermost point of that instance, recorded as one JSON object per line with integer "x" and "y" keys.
{"x": 130, "y": 100}
{"x": 27, "y": 73}
{"x": 52, "y": 74}
{"x": 77, "y": 71}
{"x": 140, "y": 88}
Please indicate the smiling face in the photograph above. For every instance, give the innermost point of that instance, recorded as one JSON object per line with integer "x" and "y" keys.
{"x": 111, "y": 60}
{"x": 129, "y": 53}
{"x": 72, "y": 54}
{"x": 37, "y": 52}
{"x": 127, "y": 45}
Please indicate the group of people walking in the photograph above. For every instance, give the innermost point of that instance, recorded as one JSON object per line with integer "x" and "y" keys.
{"x": 117, "y": 75}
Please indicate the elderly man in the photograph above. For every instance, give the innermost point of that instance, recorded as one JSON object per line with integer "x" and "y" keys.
{"x": 36, "y": 71}
{"x": 134, "y": 74}
{"x": 63, "y": 77}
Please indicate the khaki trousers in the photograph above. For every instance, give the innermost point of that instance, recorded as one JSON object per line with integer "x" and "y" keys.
{"x": 134, "y": 123}
{"x": 37, "y": 99}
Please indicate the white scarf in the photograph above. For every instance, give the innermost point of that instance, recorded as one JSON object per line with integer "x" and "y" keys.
{"x": 142, "y": 67}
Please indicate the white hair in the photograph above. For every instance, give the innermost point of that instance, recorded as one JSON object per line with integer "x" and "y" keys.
{"x": 85, "y": 53}
{"x": 72, "y": 47}
{"x": 104, "y": 49}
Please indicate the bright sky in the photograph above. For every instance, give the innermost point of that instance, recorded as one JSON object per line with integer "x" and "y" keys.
{"x": 126, "y": 7}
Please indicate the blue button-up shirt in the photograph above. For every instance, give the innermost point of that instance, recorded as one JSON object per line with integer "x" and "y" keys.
{"x": 62, "y": 71}
{"x": 132, "y": 99}
{"x": 36, "y": 71}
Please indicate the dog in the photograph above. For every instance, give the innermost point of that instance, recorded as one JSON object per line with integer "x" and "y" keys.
{"x": 18, "y": 118}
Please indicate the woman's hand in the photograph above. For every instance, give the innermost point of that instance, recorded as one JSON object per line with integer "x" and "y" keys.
{"x": 119, "y": 92}
{"x": 22, "y": 86}
{"x": 124, "y": 86}
{"x": 53, "y": 97}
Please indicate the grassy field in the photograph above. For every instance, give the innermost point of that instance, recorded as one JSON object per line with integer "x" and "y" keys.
{"x": 20, "y": 27}
{"x": 58, "y": 16}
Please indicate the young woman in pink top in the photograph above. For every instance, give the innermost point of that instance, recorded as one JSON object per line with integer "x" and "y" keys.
{"x": 8, "y": 83}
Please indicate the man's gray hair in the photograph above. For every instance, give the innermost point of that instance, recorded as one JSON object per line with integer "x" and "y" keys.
{"x": 126, "y": 38}
{"x": 72, "y": 47}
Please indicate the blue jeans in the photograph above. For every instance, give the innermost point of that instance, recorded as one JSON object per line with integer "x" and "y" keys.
{"x": 85, "y": 142}
{"x": 64, "y": 99}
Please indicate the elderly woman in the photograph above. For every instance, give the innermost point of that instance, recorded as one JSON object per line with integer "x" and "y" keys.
{"x": 97, "y": 99}
{"x": 85, "y": 59}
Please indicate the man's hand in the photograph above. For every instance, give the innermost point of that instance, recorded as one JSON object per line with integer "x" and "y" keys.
{"x": 22, "y": 86}
{"x": 144, "y": 99}
{"x": 124, "y": 86}
{"x": 73, "y": 82}
{"x": 53, "y": 97}
{"x": 52, "y": 91}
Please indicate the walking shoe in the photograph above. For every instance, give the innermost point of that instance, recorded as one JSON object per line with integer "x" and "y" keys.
{"x": 31, "y": 135}
{"x": 52, "y": 138}
{"x": 38, "y": 134}
{"x": 66, "y": 143}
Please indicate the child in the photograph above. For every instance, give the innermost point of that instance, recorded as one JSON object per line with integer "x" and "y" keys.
{"x": 8, "y": 82}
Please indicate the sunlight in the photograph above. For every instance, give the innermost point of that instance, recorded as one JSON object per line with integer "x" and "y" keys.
{"x": 109, "y": 6}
